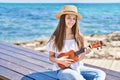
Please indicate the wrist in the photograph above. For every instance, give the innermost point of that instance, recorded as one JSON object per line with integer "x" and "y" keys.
{"x": 56, "y": 60}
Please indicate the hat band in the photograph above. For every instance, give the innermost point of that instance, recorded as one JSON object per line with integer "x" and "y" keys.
{"x": 69, "y": 11}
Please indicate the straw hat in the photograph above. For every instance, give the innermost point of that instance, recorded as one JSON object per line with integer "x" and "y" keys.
{"x": 69, "y": 9}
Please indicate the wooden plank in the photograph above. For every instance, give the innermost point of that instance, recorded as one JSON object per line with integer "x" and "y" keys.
{"x": 28, "y": 54}
{"x": 115, "y": 65}
{"x": 110, "y": 75}
{"x": 3, "y": 78}
{"x": 88, "y": 61}
{"x": 102, "y": 63}
{"x": 113, "y": 73}
{"x": 10, "y": 74}
{"x": 13, "y": 56}
{"x": 22, "y": 62}
{"x": 105, "y": 63}
{"x": 24, "y": 71}
{"x": 14, "y": 47}
{"x": 98, "y": 62}
{"x": 20, "y": 69}
{"x": 25, "y": 58}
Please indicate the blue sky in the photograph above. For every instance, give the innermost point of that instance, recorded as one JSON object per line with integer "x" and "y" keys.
{"x": 61, "y": 1}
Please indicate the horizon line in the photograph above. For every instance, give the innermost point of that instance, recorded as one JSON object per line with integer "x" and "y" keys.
{"x": 61, "y": 2}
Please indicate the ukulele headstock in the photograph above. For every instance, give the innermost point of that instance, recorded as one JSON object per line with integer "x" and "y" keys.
{"x": 97, "y": 44}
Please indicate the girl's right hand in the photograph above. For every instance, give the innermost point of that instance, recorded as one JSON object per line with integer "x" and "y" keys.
{"x": 65, "y": 61}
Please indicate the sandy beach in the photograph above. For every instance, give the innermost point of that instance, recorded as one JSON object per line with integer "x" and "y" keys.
{"x": 107, "y": 57}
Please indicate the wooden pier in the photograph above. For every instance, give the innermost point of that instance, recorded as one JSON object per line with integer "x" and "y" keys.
{"x": 18, "y": 63}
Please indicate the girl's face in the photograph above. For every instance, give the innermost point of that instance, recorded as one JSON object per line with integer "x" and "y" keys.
{"x": 70, "y": 20}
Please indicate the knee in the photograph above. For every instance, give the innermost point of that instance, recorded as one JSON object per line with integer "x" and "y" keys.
{"x": 65, "y": 75}
{"x": 69, "y": 75}
{"x": 101, "y": 73}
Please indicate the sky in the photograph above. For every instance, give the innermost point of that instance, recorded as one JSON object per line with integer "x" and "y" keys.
{"x": 59, "y": 1}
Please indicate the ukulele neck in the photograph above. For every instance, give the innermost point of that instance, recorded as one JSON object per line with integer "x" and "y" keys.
{"x": 94, "y": 45}
{"x": 81, "y": 51}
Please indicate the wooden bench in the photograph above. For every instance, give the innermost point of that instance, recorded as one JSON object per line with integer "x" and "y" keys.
{"x": 18, "y": 63}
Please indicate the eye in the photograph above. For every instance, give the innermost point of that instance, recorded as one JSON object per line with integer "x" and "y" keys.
{"x": 74, "y": 18}
{"x": 68, "y": 17}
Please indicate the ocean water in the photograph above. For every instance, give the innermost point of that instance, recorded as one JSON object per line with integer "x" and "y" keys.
{"x": 25, "y": 22}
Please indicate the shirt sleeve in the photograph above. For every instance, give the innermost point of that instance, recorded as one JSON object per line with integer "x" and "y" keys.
{"x": 49, "y": 46}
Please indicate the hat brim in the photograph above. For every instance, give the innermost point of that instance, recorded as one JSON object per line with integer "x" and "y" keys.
{"x": 79, "y": 16}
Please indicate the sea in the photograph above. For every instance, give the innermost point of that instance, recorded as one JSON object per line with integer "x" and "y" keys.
{"x": 32, "y": 21}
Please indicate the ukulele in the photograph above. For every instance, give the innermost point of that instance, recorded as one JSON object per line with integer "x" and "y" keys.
{"x": 74, "y": 55}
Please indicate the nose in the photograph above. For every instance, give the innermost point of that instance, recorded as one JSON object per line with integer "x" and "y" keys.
{"x": 71, "y": 20}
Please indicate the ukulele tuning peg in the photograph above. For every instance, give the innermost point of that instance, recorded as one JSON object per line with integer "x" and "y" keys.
{"x": 101, "y": 42}
{"x": 89, "y": 46}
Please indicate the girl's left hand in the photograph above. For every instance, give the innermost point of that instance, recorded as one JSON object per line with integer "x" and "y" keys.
{"x": 82, "y": 55}
{"x": 87, "y": 50}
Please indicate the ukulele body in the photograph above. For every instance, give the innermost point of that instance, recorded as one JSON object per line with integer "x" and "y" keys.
{"x": 71, "y": 55}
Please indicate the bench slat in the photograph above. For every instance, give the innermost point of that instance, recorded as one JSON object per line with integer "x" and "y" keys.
{"x": 24, "y": 52}
{"x": 10, "y": 74}
{"x": 15, "y": 67}
{"x": 21, "y": 62}
{"x": 23, "y": 71}
{"x": 25, "y": 58}
{"x": 28, "y": 54}
{"x": 13, "y": 47}
{"x": 111, "y": 75}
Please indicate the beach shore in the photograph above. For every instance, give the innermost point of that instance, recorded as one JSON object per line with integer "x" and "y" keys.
{"x": 111, "y": 50}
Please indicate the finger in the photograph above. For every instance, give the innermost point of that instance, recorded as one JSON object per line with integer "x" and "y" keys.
{"x": 67, "y": 65}
{"x": 65, "y": 57}
{"x": 70, "y": 60}
{"x": 87, "y": 50}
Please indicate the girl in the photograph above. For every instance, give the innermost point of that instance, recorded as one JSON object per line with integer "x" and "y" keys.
{"x": 67, "y": 37}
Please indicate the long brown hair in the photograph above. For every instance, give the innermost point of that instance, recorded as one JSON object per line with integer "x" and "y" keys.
{"x": 60, "y": 32}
